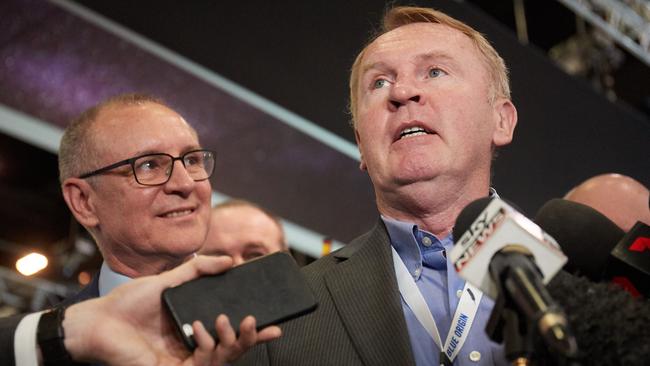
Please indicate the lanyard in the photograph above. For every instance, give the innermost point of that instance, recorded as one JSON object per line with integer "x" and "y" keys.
{"x": 463, "y": 317}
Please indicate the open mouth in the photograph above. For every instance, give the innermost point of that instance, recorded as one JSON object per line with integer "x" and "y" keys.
{"x": 412, "y": 132}
{"x": 179, "y": 213}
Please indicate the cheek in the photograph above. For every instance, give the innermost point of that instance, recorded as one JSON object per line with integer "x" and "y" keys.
{"x": 125, "y": 204}
{"x": 371, "y": 105}
{"x": 368, "y": 147}
{"x": 204, "y": 192}
{"x": 467, "y": 123}
{"x": 205, "y": 196}
{"x": 371, "y": 126}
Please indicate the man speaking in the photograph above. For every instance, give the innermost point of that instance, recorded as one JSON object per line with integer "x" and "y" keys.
{"x": 430, "y": 102}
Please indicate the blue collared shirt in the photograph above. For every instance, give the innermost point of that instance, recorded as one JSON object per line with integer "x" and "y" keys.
{"x": 109, "y": 279}
{"x": 439, "y": 288}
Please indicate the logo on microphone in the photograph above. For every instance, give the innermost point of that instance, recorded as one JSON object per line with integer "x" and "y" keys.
{"x": 640, "y": 244}
{"x": 477, "y": 234}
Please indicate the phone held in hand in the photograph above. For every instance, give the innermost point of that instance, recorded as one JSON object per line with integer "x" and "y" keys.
{"x": 270, "y": 288}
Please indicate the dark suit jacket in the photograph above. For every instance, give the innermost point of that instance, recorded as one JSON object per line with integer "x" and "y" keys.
{"x": 91, "y": 291}
{"x": 7, "y": 328}
{"x": 359, "y": 319}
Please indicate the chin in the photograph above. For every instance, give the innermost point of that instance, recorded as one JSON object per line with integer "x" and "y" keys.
{"x": 182, "y": 245}
{"x": 410, "y": 175}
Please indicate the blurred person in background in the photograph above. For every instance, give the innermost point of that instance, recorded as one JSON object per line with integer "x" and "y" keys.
{"x": 620, "y": 198}
{"x": 243, "y": 231}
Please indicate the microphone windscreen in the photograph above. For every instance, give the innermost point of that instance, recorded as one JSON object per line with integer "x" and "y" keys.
{"x": 585, "y": 235}
{"x": 611, "y": 327}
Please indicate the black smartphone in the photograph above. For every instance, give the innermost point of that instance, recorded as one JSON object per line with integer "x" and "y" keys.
{"x": 271, "y": 288}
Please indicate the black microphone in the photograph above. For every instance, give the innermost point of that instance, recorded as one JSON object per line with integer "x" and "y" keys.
{"x": 629, "y": 264}
{"x": 596, "y": 247}
{"x": 610, "y": 326}
{"x": 585, "y": 235}
{"x": 510, "y": 258}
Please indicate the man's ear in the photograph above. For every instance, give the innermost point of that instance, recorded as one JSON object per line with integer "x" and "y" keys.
{"x": 79, "y": 196}
{"x": 362, "y": 164}
{"x": 506, "y": 122}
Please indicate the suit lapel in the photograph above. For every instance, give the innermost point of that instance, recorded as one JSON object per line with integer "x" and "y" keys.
{"x": 364, "y": 290}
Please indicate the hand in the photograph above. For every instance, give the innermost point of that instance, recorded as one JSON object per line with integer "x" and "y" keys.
{"x": 230, "y": 348}
{"x": 129, "y": 327}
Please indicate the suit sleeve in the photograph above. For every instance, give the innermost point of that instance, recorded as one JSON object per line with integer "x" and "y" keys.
{"x": 257, "y": 355}
{"x": 7, "y": 329}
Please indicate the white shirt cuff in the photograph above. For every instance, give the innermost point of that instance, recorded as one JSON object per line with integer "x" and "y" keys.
{"x": 25, "y": 340}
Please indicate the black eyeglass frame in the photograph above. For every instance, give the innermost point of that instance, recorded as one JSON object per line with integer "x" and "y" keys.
{"x": 131, "y": 161}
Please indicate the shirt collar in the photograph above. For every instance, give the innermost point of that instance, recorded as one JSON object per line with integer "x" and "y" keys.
{"x": 412, "y": 244}
{"x": 108, "y": 279}
{"x": 402, "y": 239}
{"x": 407, "y": 239}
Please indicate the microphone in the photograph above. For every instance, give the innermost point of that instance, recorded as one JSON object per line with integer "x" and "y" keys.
{"x": 596, "y": 247}
{"x": 610, "y": 326}
{"x": 629, "y": 264}
{"x": 510, "y": 259}
{"x": 585, "y": 235}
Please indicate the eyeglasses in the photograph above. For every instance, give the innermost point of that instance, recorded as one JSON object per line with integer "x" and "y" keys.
{"x": 156, "y": 169}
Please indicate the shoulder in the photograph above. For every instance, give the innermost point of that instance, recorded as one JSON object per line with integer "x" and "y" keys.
{"x": 319, "y": 267}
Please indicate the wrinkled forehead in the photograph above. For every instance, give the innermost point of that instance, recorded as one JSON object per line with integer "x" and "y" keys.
{"x": 244, "y": 218}
{"x": 244, "y": 215}
{"x": 416, "y": 40}
{"x": 141, "y": 128}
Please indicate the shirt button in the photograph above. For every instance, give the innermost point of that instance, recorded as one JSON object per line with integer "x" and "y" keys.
{"x": 417, "y": 272}
{"x": 426, "y": 241}
{"x": 459, "y": 293}
{"x": 475, "y": 356}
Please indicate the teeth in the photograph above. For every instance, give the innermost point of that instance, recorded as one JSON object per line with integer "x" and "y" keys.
{"x": 413, "y": 131}
{"x": 178, "y": 213}
{"x": 416, "y": 134}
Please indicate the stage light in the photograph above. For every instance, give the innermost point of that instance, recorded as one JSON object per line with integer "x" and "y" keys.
{"x": 84, "y": 278}
{"x": 31, "y": 263}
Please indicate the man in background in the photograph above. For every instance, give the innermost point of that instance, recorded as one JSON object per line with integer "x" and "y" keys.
{"x": 134, "y": 174}
{"x": 622, "y": 199}
{"x": 243, "y": 231}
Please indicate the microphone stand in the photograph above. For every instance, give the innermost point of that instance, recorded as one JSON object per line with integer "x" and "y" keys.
{"x": 507, "y": 325}
{"x": 521, "y": 318}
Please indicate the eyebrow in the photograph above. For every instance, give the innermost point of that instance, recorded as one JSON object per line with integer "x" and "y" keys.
{"x": 435, "y": 55}
{"x": 157, "y": 151}
{"x": 380, "y": 65}
{"x": 255, "y": 245}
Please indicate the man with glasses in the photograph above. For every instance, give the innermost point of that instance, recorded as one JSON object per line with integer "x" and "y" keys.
{"x": 134, "y": 175}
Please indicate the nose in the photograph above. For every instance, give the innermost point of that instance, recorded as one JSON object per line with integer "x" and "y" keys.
{"x": 402, "y": 93}
{"x": 180, "y": 181}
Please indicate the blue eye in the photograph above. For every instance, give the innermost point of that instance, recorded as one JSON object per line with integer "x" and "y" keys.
{"x": 148, "y": 165}
{"x": 435, "y": 72}
{"x": 379, "y": 83}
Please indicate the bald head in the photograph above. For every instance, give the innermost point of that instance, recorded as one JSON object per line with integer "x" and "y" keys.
{"x": 622, "y": 199}
{"x": 243, "y": 231}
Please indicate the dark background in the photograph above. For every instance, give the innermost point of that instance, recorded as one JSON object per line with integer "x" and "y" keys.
{"x": 298, "y": 53}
